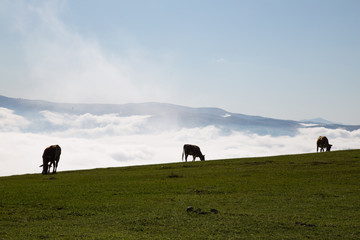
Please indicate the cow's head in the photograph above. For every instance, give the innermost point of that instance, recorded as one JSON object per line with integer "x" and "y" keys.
{"x": 45, "y": 168}
{"x": 202, "y": 157}
{"x": 328, "y": 148}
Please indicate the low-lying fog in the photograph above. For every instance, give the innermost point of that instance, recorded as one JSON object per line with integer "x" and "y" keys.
{"x": 100, "y": 141}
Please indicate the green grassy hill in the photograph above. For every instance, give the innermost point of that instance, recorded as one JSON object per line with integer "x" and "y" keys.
{"x": 314, "y": 196}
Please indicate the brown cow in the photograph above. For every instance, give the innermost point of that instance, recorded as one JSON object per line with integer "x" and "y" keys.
{"x": 322, "y": 143}
{"x": 51, "y": 155}
{"x": 192, "y": 150}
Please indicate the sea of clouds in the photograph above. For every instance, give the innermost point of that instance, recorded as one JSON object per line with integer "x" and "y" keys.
{"x": 99, "y": 141}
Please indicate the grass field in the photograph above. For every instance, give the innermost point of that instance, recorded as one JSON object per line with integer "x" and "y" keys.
{"x": 309, "y": 196}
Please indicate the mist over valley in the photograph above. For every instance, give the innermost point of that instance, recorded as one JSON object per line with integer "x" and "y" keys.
{"x": 113, "y": 135}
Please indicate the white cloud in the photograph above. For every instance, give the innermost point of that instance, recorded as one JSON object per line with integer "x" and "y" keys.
{"x": 61, "y": 64}
{"x": 11, "y": 122}
{"x": 95, "y": 125}
{"x": 90, "y": 141}
{"x": 65, "y": 64}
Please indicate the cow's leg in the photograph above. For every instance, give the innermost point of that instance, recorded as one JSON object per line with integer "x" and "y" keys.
{"x": 186, "y": 155}
{"x": 49, "y": 168}
{"x": 52, "y": 163}
{"x": 55, "y": 166}
{"x": 194, "y": 158}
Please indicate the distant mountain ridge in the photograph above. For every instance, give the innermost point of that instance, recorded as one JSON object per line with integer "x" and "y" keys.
{"x": 318, "y": 121}
{"x": 163, "y": 116}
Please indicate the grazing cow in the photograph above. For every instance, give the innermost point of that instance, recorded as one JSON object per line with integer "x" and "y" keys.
{"x": 192, "y": 150}
{"x": 322, "y": 143}
{"x": 51, "y": 155}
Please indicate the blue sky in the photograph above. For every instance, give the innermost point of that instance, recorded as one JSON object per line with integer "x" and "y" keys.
{"x": 284, "y": 59}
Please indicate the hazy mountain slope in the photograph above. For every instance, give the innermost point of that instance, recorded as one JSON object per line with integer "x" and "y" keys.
{"x": 162, "y": 116}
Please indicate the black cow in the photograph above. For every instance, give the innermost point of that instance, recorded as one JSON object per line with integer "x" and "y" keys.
{"x": 192, "y": 150}
{"x": 322, "y": 142}
{"x": 51, "y": 155}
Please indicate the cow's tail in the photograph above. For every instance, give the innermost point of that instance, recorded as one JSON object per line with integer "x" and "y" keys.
{"x": 182, "y": 156}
